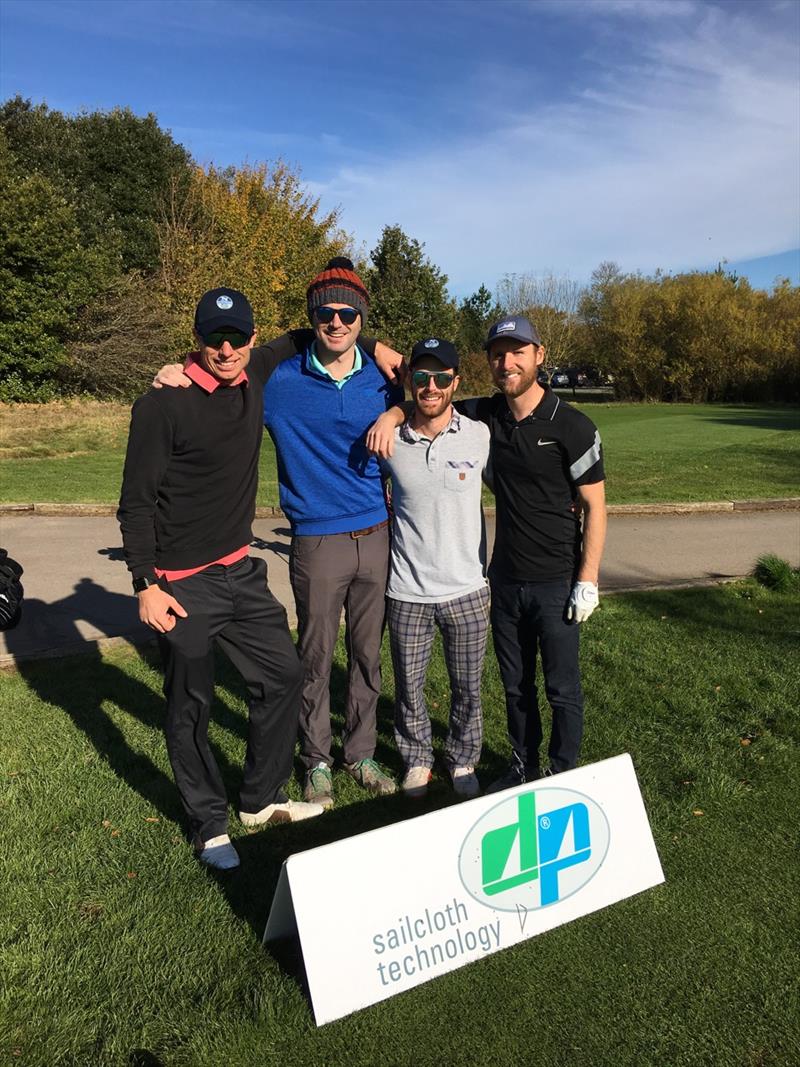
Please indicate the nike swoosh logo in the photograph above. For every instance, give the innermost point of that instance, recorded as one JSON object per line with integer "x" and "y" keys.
{"x": 541, "y": 442}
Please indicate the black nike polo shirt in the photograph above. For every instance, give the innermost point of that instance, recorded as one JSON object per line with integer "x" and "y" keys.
{"x": 536, "y": 466}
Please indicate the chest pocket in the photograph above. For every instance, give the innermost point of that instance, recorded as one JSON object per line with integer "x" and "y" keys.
{"x": 458, "y": 477}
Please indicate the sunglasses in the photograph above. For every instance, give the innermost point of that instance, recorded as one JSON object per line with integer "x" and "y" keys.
{"x": 235, "y": 338}
{"x": 347, "y": 316}
{"x": 421, "y": 378}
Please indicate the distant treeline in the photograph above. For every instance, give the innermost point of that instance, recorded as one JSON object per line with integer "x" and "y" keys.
{"x": 109, "y": 233}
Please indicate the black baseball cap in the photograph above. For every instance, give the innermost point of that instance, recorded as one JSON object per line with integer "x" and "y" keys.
{"x": 444, "y": 351}
{"x": 516, "y": 327}
{"x": 219, "y": 308}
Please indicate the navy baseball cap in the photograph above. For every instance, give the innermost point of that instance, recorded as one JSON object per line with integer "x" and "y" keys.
{"x": 516, "y": 327}
{"x": 444, "y": 351}
{"x": 219, "y": 308}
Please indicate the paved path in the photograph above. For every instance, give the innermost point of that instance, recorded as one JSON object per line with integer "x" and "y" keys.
{"x": 77, "y": 587}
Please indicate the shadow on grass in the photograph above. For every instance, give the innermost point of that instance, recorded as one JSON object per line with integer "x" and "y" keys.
{"x": 82, "y": 685}
{"x": 778, "y": 418}
{"x": 711, "y": 609}
{"x": 142, "y": 1057}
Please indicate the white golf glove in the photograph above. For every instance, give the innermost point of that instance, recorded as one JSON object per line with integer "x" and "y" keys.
{"x": 583, "y": 599}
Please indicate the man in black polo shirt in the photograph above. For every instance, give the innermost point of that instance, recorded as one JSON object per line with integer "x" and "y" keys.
{"x": 547, "y": 469}
{"x": 186, "y": 512}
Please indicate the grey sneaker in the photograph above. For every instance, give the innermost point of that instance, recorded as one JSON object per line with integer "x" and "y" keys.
{"x": 219, "y": 853}
{"x": 465, "y": 782}
{"x": 288, "y": 811}
{"x": 415, "y": 781}
{"x": 368, "y": 774}
{"x": 319, "y": 786}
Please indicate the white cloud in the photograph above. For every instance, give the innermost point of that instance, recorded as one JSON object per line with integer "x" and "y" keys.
{"x": 646, "y": 9}
{"x": 684, "y": 157}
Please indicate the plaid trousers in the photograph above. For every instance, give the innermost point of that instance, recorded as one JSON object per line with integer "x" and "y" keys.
{"x": 464, "y": 624}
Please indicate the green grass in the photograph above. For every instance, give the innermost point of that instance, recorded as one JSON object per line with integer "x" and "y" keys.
{"x": 657, "y": 452}
{"x": 117, "y": 948}
{"x": 654, "y": 452}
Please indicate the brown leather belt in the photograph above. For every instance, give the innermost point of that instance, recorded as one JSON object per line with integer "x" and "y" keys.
{"x": 369, "y": 529}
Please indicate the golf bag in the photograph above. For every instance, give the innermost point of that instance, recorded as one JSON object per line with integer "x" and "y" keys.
{"x": 11, "y": 591}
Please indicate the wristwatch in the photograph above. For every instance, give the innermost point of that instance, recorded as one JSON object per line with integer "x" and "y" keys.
{"x": 140, "y": 584}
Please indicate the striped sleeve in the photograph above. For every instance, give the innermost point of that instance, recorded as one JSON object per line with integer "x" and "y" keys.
{"x": 585, "y": 454}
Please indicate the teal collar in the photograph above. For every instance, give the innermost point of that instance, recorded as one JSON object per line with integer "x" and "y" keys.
{"x": 315, "y": 365}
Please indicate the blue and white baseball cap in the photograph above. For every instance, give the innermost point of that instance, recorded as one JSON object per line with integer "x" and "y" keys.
{"x": 517, "y": 327}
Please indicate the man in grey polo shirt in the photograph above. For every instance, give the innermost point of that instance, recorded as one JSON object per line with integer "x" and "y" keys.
{"x": 437, "y": 573}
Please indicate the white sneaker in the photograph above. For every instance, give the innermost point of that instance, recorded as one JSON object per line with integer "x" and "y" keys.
{"x": 415, "y": 781}
{"x": 219, "y": 853}
{"x": 288, "y": 811}
{"x": 465, "y": 782}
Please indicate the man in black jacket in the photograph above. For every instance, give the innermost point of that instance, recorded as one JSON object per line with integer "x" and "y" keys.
{"x": 186, "y": 513}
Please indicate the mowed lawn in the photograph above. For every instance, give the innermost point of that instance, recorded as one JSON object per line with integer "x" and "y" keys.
{"x": 118, "y": 948}
{"x": 654, "y": 452}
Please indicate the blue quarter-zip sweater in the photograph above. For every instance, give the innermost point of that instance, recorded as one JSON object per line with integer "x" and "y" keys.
{"x": 328, "y": 481}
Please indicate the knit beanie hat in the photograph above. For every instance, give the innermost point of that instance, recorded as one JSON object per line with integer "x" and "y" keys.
{"x": 338, "y": 284}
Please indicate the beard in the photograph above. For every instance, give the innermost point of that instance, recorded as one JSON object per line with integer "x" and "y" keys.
{"x": 433, "y": 407}
{"x": 516, "y": 386}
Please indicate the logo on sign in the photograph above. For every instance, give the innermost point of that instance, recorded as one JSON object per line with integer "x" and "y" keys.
{"x": 534, "y": 849}
{"x": 224, "y": 302}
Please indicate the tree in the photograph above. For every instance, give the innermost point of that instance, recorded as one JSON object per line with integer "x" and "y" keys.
{"x": 780, "y": 342}
{"x": 551, "y": 303}
{"x": 694, "y": 336}
{"x": 121, "y": 338}
{"x": 616, "y": 335}
{"x": 46, "y": 277}
{"x": 253, "y": 228}
{"x": 408, "y": 293}
{"x": 114, "y": 167}
{"x": 476, "y": 313}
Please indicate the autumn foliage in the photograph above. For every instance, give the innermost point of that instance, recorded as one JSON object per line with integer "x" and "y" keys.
{"x": 109, "y": 234}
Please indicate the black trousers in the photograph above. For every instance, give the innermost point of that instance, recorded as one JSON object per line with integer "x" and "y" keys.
{"x": 234, "y": 607}
{"x": 527, "y": 616}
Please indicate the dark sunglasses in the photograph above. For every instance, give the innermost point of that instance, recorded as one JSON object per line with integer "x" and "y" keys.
{"x": 347, "y": 316}
{"x": 235, "y": 338}
{"x": 420, "y": 378}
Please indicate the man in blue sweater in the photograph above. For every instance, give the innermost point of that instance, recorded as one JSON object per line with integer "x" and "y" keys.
{"x": 317, "y": 408}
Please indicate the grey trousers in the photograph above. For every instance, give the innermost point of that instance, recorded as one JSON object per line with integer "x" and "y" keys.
{"x": 329, "y": 573}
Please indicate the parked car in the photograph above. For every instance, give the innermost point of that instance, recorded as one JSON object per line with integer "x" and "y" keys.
{"x": 559, "y": 379}
{"x": 542, "y": 377}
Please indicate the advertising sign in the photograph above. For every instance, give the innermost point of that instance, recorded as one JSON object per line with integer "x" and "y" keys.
{"x": 381, "y": 912}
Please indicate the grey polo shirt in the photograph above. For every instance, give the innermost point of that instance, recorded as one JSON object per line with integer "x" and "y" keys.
{"x": 438, "y": 537}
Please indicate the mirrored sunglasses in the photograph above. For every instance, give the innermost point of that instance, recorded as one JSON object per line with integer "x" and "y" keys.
{"x": 420, "y": 378}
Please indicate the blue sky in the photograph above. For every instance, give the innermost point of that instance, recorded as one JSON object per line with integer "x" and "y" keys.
{"x": 509, "y": 137}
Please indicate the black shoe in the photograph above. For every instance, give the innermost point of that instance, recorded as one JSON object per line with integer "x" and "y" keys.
{"x": 517, "y": 774}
